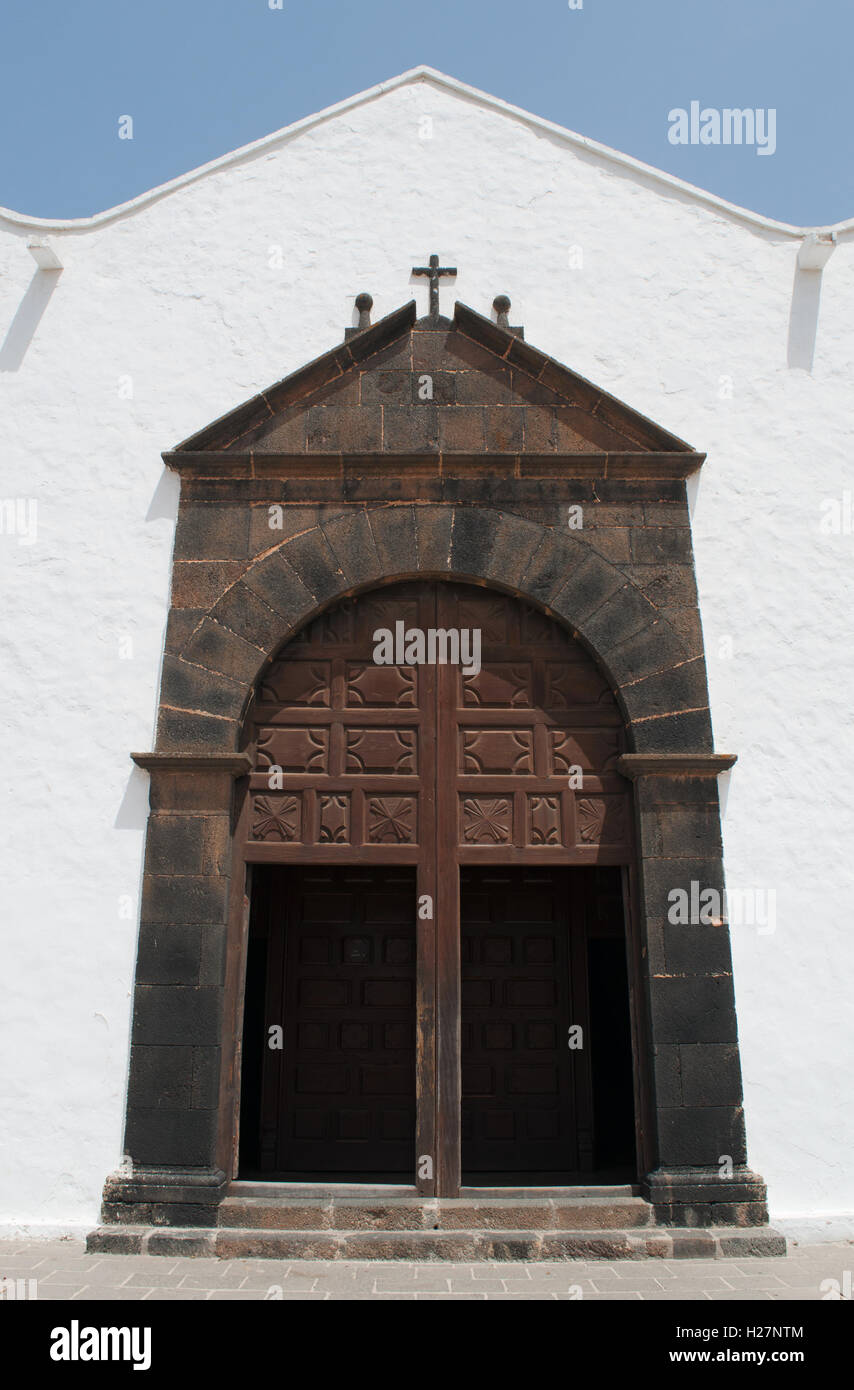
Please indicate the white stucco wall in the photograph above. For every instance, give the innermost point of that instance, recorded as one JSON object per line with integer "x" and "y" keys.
{"x": 178, "y": 293}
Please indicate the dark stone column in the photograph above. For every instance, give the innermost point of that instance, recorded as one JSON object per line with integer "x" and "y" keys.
{"x": 174, "y": 1082}
{"x": 701, "y": 1176}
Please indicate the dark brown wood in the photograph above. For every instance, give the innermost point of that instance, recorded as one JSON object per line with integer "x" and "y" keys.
{"x": 520, "y": 1112}
{"x": 449, "y": 1066}
{"x": 339, "y": 1098}
{"x": 228, "y": 1128}
{"x": 434, "y": 769}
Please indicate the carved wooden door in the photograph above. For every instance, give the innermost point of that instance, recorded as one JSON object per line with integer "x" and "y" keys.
{"x": 437, "y": 768}
{"x": 339, "y": 1095}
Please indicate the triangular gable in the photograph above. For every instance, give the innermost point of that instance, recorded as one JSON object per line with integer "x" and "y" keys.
{"x": 406, "y": 386}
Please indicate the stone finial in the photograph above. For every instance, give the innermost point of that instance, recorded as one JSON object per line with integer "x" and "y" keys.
{"x": 501, "y": 305}
{"x": 364, "y": 303}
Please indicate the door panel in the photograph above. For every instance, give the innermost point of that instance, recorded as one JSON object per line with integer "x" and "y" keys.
{"x": 520, "y": 1081}
{"x": 342, "y": 986}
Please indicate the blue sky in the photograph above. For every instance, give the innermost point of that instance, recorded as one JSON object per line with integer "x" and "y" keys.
{"x": 201, "y": 77}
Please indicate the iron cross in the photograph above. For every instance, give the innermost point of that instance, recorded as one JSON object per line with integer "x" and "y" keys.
{"x": 434, "y": 270}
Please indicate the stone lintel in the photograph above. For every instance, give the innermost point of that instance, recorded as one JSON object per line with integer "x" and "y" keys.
{"x": 635, "y": 765}
{"x": 253, "y": 463}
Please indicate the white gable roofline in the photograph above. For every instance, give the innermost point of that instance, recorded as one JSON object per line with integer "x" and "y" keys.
{"x": 460, "y": 89}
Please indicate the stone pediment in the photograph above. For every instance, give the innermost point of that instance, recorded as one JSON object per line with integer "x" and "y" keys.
{"x": 465, "y": 387}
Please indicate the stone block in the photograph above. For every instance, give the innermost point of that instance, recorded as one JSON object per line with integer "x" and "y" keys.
{"x": 692, "y": 1009}
{"x": 311, "y": 559}
{"x": 244, "y": 612}
{"x": 697, "y": 950}
{"x": 211, "y": 531}
{"x": 472, "y": 540}
{"x": 411, "y": 429}
{"x": 181, "y": 1137}
{"x": 462, "y": 429}
{"x": 204, "y": 1091}
{"x": 161, "y": 1077}
{"x": 193, "y": 688}
{"x": 701, "y": 1134}
{"x": 516, "y": 540}
{"x": 168, "y": 955}
{"x": 184, "y": 899}
{"x": 589, "y": 585}
{"x": 273, "y": 580}
{"x": 662, "y": 545}
{"x": 433, "y": 529}
{"x": 352, "y": 542}
{"x": 199, "y": 583}
{"x": 688, "y": 732}
{"x": 394, "y": 536}
{"x": 176, "y": 1014}
{"x": 504, "y": 428}
{"x": 483, "y": 388}
{"x": 220, "y": 650}
{"x": 711, "y": 1074}
{"x": 187, "y": 844}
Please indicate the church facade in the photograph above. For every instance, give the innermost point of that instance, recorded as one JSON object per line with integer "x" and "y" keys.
{"x": 456, "y": 863}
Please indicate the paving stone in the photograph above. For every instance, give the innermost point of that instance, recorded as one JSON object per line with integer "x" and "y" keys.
{"x": 66, "y": 1273}
{"x": 457, "y": 1297}
{"x": 733, "y": 1296}
{"x": 797, "y": 1295}
{"x": 162, "y": 1281}
{"x": 244, "y": 1295}
{"x": 232, "y": 1280}
{"x": 621, "y": 1296}
{"x": 99, "y": 1292}
{"x": 177, "y": 1295}
{"x": 93, "y": 1276}
{"x": 691, "y": 1295}
{"x": 464, "y": 1285}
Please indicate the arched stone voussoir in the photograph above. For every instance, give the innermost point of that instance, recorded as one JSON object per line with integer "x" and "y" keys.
{"x": 351, "y": 540}
{"x": 644, "y": 659}
{"x": 668, "y": 711}
{"x": 394, "y": 534}
{"x": 515, "y": 542}
{"x": 650, "y": 669}
{"x": 472, "y": 540}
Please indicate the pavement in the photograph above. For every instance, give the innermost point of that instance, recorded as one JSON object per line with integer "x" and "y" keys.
{"x": 61, "y": 1270}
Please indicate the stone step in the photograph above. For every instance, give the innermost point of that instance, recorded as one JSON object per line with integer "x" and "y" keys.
{"x": 667, "y": 1243}
{"x": 336, "y": 1213}
{"x": 372, "y": 1191}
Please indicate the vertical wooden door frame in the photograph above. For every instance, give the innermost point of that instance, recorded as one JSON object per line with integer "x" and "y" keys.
{"x": 448, "y": 969}
{"x": 427, "y": 1118}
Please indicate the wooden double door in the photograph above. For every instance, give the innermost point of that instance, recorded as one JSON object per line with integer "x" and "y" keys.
{"x": 432, "y": 847}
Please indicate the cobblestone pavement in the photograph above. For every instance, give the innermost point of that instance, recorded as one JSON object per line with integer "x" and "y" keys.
{"x": 63, "y": 1271}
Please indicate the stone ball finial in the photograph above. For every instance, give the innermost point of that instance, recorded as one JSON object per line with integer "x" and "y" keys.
{"x": 364, "y": 303}
{"x": 501, "y": 305}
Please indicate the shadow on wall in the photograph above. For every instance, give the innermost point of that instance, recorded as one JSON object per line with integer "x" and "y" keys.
{"x": 133, "y": 811}
{"x": 23, "y": 327}
{"x": 165, "y": 498}
{"x": 803, "y": 318}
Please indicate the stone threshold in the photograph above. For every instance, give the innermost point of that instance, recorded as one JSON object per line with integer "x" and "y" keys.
{"x": 438, "y": 1245}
